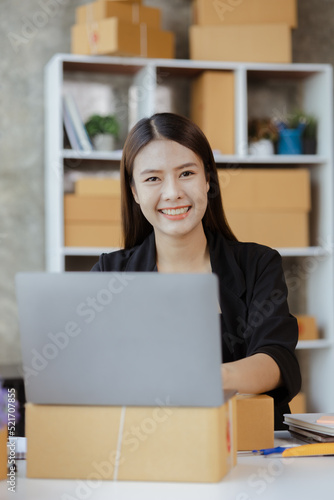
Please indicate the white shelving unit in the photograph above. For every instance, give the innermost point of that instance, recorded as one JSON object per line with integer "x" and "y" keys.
{"x": 311, "y": 270}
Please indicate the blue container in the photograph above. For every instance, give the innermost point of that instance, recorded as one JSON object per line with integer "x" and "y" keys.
{"x": 290, "y": 141}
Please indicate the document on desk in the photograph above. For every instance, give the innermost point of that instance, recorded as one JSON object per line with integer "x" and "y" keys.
{"x": 320, "y": 422}
{"x": 311, "y": 427}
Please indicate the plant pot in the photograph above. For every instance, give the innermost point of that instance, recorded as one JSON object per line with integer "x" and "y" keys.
{"x": 263, "y": 147}
{"x": 290, "y": 142}
{"x": 104, "y": 142}
{"x": 309, "y": 145}
{"x": 3, "y": 453}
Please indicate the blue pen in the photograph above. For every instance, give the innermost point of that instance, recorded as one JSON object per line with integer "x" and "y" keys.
{"x": 269, "y": 451}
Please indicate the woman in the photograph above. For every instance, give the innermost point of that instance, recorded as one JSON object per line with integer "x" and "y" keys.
{"x": 173, "y": 221}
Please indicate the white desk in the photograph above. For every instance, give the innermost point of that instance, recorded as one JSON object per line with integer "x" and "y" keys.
{"x": 254, "y": 477}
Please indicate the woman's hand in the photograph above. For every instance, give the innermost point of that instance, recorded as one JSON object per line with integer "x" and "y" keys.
{"x": 253, "y": 375}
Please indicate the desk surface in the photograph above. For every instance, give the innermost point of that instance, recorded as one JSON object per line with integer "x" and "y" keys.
{"x": 254, "y": 477}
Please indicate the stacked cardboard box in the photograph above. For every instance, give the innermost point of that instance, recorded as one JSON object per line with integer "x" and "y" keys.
{"x": 160, "y": 443}
{"x": 255, "y": 422}
{"x": 298, "y": 403}
{"x": 307, "y": 327}
{"x": 93, "y": 213}
{"x": 248, "y": 31}
{"x": 124, "y": 28}
{"x": 212, "y": 108}
{"x": 268, "y": 206}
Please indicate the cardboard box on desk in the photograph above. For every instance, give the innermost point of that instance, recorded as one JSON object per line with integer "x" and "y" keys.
{"x": 113, "y": 36}
{"x": 298, "y": 403}
{"x": 125, "y": 11}
{"x": 245, "y": 12}
{"x": 267, "y": 43}
{"x": 307, "y": 329}
{"x": 255, "y": 422}
{"x": 212, "y": 108}
{"x": 268, "y": 206}
{"x": 155, "y": 443}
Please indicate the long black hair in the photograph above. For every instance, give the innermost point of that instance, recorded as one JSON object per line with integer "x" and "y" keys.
{"x": 179, "y": 129}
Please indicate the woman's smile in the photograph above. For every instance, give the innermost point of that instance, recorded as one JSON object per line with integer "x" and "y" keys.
{"x": 175, "y": 213}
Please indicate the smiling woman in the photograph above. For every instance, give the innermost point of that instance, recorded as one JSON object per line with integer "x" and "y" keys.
{"x": 173, "y": 221}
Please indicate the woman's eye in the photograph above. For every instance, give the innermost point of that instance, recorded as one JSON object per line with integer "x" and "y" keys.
{"x": 151, "y": 179}
{"x": 187, "y": 173}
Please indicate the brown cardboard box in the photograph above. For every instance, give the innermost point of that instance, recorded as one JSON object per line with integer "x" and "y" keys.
{"x": 268, "y": 206}
{"x": 298, "y": 403}
{"x": 268, "y": 43}
{"x": 266, "y": 189}
{"x": 246, "y": 12}
{"x": 93, "y": 234}
{"x": 212, "y": 108}
{"x": 91, "y": 208}
{"x": 307, "y": 328}
{"x": 255, "y": 422}
{"x": 274, "y": 229}
{"x": 97, "y": 186}
{"x": 157, "y": 443}
{"x": 115, "y": 37}
{"x": 129, "y": 12}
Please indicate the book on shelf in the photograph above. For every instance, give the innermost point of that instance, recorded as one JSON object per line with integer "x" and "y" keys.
{"x": 75, "y": 128}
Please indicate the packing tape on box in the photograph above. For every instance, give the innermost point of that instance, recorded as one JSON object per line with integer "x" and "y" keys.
{"x": 119, "y": 441}
{"x": 93, "y": 36}
{"x": 143, "y": 39}
{"x": 230, "y": 437}
{"x": 135, "y": 13}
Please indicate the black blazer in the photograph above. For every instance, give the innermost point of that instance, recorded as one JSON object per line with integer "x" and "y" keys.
{"x": 253, "y": 301}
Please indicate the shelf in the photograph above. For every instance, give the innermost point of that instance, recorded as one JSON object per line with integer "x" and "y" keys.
{"x": 304, "y": 252}
{"x": 92, "y": 155}
{"x": 314, "y": 344}
{"x": 285, "y": 252}
{"x": 273, "y": 159}
{"x": 219, "y": 158}
{"x": 87, "y": 251}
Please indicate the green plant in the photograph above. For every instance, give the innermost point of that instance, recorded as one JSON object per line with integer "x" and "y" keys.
{"x": 262, "y": 128}
{"x": 98, "y": 124}
{"x": 297, "y": 118}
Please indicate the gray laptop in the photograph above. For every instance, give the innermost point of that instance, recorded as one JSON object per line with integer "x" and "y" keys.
{"x": 136, "y": 339}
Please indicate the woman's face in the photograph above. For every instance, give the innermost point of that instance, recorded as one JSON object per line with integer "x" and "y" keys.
{"x": 170, "y": 185}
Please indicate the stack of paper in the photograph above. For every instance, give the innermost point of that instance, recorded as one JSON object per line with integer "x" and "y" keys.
{"x": 311, "y": 427}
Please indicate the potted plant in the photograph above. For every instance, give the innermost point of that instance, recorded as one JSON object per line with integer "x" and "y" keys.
{"x": 297, "y": 134}
{"x": 103, "y": 130}
{"x": 262, "y": 136}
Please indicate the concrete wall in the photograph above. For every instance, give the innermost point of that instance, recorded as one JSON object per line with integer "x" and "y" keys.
{"x": 30, "y": 33}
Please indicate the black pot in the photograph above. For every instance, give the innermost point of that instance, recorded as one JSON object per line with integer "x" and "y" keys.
{"x": 309, "y": 145}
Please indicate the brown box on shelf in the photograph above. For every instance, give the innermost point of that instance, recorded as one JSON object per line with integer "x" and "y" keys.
{"x": 91, "y": 208}
{"x": 274, "y": 229}
{"x": 212, "y": 108}
{"x": 175, "y": 444}
{"x": 268, "y": 206}
{"x": 266, "y": 189}
{"x": 255, "y": 422}
{"x": 298, "y": 403}
{"x": 267, "y": 43}
{"x": 307, "y": 327}
{"x": 125, "y": 11}
{"x": 98, "y": 186}
{"x": 93, "y": 234}
{"x": 115, "y": 37}
{"x": 249, "y": 12}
